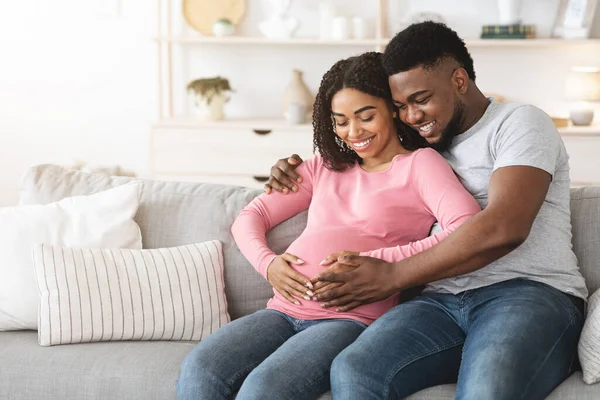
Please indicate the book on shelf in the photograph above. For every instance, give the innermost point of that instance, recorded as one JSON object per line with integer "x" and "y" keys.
{"x": 508, "y": 32}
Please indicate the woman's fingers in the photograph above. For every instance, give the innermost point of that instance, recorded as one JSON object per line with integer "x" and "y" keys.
{"x": 288, "y": 296}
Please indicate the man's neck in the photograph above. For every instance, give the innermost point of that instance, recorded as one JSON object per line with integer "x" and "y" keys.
{"x": 475, "y": 106}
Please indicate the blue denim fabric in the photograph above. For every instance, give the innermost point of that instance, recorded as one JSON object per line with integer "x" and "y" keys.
{"x": 266, "y": 355}
{"x": 512, "y": 340}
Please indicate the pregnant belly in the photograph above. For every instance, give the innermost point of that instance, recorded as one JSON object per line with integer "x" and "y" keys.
{"x": 312, "y": 249}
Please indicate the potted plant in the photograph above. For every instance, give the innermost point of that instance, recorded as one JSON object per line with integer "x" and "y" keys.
{"x": 209, "y": 95}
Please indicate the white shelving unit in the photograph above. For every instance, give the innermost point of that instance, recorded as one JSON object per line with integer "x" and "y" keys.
{"x": 185, "y": 149}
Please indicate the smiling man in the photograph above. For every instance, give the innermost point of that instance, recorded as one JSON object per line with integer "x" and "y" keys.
{"x": 501, "y": 312}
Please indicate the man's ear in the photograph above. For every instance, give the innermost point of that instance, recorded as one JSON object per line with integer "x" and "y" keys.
{"x": 460, "y": 79}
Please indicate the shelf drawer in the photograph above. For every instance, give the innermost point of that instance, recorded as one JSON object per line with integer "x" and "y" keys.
{"x": 584, "y": 160}
{"x": 223, "y": 151}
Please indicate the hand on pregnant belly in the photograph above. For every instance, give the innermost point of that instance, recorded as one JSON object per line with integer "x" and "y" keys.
{"x": 334, "y": 266}
{"x": 286, "y": 280}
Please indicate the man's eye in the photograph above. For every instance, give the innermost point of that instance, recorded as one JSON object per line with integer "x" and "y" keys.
{"x": 423, "y": 101}
{"x": 401, "y": 106}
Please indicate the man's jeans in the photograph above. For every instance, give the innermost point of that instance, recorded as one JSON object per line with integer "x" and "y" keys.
{"x": 266, "y": 355}
{"x": 512, "y": 340}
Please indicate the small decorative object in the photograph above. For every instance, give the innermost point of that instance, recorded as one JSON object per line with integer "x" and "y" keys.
{"x": 582, "y": 87}
{"x": 279, "y": 25}
{"x": 209, "y": 95}
{"x": 574, "y": 19}
{"x": 508, "y": 32}
{"x": 509, "y": 12}
{"x": 223, "y": 27}
{"x": 297, "y": 92}
{"x": 202, "y": 15}
{"x": 359, "y": 28}
{"x": 340, "y": 29}
{"x": 326, "y": 16}
{"x": 427, "y": 16}
{"x": 560, "y": 122}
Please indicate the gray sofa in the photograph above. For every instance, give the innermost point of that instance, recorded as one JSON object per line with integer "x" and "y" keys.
{"x": 173, "y": 214}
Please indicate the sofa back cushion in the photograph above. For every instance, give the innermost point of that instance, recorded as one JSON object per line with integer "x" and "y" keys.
{"x": 178, "y": 213}
{"x": 585, "y": 220}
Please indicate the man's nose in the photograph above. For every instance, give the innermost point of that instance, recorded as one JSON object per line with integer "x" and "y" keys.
{"x": 414, "y": 116}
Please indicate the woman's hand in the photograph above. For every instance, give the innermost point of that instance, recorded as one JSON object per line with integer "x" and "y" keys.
{"x": 283, "y": 176}
{"x": 287, "y": 281}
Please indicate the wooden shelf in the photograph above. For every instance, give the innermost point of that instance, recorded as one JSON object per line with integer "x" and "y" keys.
{"x": 233, "y": 123}
{"x": 471, "y": 43}
{"x": 258, "y": 40}
{"x": 581, "y": 131}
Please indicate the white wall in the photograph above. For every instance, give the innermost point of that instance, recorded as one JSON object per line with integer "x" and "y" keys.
{"x": 79, "y": 85}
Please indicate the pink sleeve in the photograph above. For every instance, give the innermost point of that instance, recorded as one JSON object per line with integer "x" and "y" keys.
{"x": 266, "y": 211}
{"x": 442, "y": 195}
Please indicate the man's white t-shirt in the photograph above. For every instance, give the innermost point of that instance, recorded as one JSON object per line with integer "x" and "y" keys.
{"x": 511, "y": 134}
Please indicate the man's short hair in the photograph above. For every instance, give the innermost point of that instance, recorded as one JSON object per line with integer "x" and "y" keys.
{"x": 426, "y": 44}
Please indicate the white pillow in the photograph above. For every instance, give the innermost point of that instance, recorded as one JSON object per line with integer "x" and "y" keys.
{"x": 589, "y": 342}
{"x": 103, "y": 219}
{"x": 91, "y": 295}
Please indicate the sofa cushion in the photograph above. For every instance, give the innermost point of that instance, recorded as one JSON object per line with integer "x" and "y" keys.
{"x": 178, "y": 213}
{"x": 140, "y": 370}
{"x": 585, "y": 218}
{"x": 93, "y": 295}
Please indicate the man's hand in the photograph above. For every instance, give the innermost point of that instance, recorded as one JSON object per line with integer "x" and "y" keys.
{"x": 321, "y": 287}
{"x": 286, "y": 280}
{"x": 370, "y": 280}
{"x": 283, "y": 176}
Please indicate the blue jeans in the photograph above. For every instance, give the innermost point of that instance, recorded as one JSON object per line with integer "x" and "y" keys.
{"x": 512, "y": 340}
{"x": 266, "y": 355}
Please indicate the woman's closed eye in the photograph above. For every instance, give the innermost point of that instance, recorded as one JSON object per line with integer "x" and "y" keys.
{"x": 341, "y": 123}
{"x": 367, "y": 119}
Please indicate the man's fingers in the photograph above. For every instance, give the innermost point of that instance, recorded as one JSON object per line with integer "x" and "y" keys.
{"x": 348, "y": 307}
{"x": 341, "y": 277}
{"x": 268, "y": 188}
{"x": 288, "y": 297}
{"x": 295, "y": 159}
{"x": 325, "y": 287}
{"x": 333, "y": 293}
{"x": 339, "y": 301}
{"x": 351, "y": 259}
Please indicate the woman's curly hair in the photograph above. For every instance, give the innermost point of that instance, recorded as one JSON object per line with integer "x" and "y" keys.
{"x": 364, "y": 73}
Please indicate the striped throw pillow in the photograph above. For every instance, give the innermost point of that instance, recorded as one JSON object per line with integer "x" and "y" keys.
{"x": 589, "y": 341}
{"x": 92, "y": 295}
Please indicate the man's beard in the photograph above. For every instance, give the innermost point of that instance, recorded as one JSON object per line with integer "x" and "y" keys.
{"x": 452, "y": 129}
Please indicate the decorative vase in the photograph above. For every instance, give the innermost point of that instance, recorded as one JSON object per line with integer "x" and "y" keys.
{"x": 296, "y": 92}
{"x": 509, "y": 12}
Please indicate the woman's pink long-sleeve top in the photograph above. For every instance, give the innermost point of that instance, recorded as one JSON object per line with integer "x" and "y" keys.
{"x": 386, "y": 214}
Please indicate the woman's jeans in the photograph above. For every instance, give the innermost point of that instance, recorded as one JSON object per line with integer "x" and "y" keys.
{"x": 512, "y": 340}
{"x": 266, "y": 355}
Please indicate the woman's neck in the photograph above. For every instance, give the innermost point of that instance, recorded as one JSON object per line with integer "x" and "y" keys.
{"x": 383, "y": 159}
